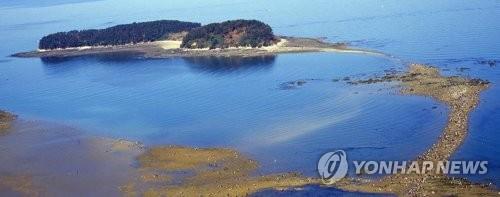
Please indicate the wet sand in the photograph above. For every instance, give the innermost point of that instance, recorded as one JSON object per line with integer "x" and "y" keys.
{"x": 171, "y": 48}
{"x": 46, "y": 159}
{"x": 461, "y": 96}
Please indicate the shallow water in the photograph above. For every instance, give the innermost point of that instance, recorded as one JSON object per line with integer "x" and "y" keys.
{"x": 63, "y": 161}
{"x": 243, "y": 103}
{"x": 314, "y": 190}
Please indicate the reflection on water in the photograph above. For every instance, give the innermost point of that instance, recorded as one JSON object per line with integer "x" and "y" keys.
{"x": 214, "y": 65}
{"x": 104, "y": 57}
{"x": 223, "y": 64}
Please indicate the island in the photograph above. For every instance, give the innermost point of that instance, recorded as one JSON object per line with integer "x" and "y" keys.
{"x": 172, "y": 38}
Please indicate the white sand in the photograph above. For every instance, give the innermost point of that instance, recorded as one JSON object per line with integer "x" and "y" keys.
{"x": 169, "y": 44}
{"x": 275, "y": 47}
{"x": 175, "y": 44}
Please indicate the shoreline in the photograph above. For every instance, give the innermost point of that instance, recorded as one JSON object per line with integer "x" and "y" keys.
{"x": 461, "y": 95}
{"x": 171, "y": 48}
{"x": 177, "y": 170}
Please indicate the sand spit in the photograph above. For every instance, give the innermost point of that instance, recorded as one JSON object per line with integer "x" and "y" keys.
{"x": 462, "y": 96}
{"x": 171, "y": 48}
{"x": 203, "y": 172}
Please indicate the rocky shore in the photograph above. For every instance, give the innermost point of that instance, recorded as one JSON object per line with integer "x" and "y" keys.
{"x": 461, "y": 96}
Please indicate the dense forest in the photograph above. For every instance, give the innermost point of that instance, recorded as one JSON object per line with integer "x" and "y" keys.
{"x": 233, "y": 33}
{"x": 116, "y": 35}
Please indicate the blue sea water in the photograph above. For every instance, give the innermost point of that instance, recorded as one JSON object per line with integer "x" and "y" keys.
{"x": 241, "y": 102}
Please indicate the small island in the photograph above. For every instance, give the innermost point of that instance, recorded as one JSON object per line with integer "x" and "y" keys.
{"x": 172, "y": 38}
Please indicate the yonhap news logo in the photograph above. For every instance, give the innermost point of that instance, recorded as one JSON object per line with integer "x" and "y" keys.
{"x": 332, "y": 166}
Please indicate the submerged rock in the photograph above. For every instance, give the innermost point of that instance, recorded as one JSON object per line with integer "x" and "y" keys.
{"x": 292, "y": 84}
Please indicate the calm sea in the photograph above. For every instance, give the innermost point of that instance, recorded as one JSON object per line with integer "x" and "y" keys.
{"x": 247, "y": 103}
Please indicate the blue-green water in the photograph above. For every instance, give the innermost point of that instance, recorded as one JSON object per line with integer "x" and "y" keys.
{"x": 241, "y": 103}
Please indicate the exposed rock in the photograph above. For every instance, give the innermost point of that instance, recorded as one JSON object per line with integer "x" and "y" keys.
{"x": 5, "y": 121}
{"x": 462, "y": 96}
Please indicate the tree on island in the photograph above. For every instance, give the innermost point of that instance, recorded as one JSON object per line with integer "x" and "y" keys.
{"x": 234, "y": 33}
{"x": 116, "y": 35}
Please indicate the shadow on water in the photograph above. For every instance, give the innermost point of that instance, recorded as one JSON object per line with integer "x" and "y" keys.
{"x": 224, "y": 65}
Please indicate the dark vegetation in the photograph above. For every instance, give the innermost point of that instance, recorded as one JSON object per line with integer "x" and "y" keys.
{"x": 116, "y": 35}
{"x": 233, "y": 33}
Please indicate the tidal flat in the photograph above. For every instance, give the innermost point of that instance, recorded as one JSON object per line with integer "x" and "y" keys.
{"x": 187, "y": 171}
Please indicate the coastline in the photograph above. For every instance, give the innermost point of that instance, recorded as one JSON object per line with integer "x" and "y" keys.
{"x": 64, "y": 160}
{"x": 461, "y": 95}
{"x": 171, "y": 48}
{"x": 211, "y": 171}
